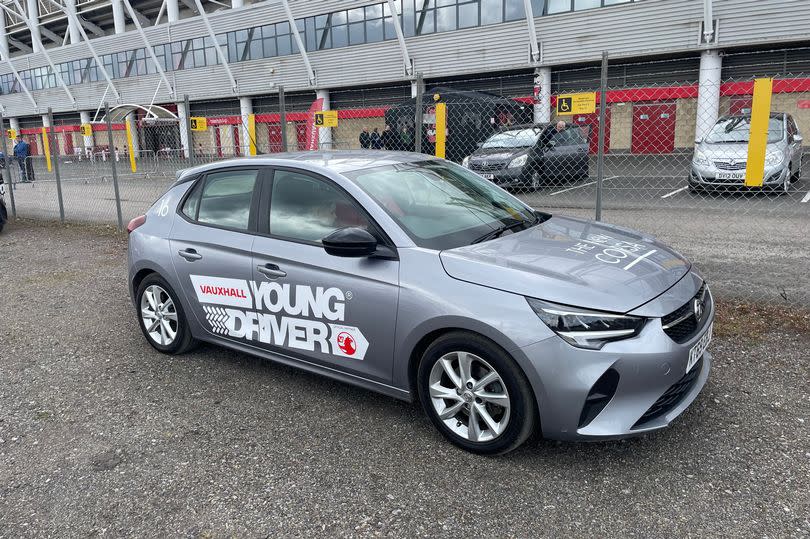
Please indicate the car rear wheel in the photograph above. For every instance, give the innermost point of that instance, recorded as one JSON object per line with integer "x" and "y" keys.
{"x": 161, "y": 317}
{"x": 475, "y": 394}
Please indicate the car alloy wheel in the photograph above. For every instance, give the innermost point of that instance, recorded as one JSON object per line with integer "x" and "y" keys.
{"x": 159, "y": 315}
{"x": 469, "y": 396}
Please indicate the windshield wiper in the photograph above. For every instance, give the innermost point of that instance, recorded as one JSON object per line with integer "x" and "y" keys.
{"x": 509, "y": 225}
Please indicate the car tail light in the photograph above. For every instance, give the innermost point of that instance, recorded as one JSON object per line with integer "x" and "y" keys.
{"x": 135, "y": 223}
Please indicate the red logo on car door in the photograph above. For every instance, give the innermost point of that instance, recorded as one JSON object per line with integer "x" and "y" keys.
{"x": 346, "y": 344}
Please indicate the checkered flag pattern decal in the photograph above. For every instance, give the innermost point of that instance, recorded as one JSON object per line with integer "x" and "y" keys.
{"x": 217, "y": 317}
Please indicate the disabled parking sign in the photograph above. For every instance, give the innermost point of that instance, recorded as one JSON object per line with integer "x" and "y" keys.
{"x": 582, "y": 103}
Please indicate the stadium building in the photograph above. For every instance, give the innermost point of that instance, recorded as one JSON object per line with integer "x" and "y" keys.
{"x": 675, "y": 65}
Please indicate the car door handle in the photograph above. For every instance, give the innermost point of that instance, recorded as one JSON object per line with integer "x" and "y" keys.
{"x": 190, "y": 254}
{"x": 271, "y": 271}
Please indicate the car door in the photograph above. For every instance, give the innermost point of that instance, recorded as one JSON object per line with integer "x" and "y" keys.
{"x": 565, "y": 154}
{"x": 794, "y": 145}
{"x": 332, "y": 311}
{"x": 211, "y": 244}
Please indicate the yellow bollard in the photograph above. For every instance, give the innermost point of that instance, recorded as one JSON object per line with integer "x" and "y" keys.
{"x": 441, "y": 128}
{"x": 758, "y": 137}
{"x": 46, "y": 146}
{"x": 252, "y": 133}
{"x": 131, "y": 152}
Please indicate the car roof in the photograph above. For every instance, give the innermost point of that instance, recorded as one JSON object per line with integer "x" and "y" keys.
{"x": 340, "y": 161}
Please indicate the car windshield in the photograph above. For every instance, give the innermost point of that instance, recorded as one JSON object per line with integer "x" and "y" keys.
{"x": 521, "y": 138}
{"x": 441, "y": 205}
{"x": 738, "y": 129}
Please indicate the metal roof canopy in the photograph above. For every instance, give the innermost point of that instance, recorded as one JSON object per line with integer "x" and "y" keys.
{"x": 153, "y": 113}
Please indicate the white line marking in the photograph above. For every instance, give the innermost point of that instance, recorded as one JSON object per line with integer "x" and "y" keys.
{"x": 580, "y": 185}
{"x": 806, "y": 198}
{"x": 639, "y": 259}
{"x": 675, "y": 192}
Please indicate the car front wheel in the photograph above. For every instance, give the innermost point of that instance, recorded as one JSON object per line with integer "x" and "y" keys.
{"x": 475, "y": 394}
{"x": 161, "y": 316}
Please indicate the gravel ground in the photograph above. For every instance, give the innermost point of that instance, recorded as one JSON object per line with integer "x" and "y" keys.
{"x": 102, "y": 436}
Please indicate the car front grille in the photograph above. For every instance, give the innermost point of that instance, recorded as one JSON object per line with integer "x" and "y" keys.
{"x": 682, "y": 324}
{"x": 672, "y": 396}
{"x": 728, "y": 165}
{"x": 487, "y": 166}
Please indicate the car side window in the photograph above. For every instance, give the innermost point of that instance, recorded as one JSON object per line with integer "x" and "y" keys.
{"x": 304, "y": 208}
{"x": 793, "y": 129}
{"x": 226, "y": 198}
{"x": 193, "y": 201}
{"x": 570, "y": 136}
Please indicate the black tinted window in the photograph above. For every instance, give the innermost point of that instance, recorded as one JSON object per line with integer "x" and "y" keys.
{"x": 226, "y": 198}
{"x": 308, "y": 209}
{"x": 569, "y": 137}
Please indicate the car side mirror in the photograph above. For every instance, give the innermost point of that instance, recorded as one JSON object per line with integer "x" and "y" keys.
{"x": 350, "y": 242}
{"x": 797, "y": 138}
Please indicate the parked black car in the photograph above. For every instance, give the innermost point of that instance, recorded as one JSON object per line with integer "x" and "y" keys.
{"x": 528, "y": 156}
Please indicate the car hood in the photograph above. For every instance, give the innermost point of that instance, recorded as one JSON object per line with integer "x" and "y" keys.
{"x": 572, "y": 262}
{"x": 498, "y": 154}
{"x": 730, "y": 150}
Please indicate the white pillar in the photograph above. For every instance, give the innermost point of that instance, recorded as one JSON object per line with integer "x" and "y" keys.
{"x": 542, "y": 89}
{"x": 182, "y": 113}
{"x": 245, "y": 110}
{"x": 172, "y": 11}
{"x": 45, "y": 121}
{"x": 73, "y": 26}
{"x": 708, "y": 105}
{"x": 84, "y": 117}
{"x": 237, "y": 3}
{"x": 3, "y": 35}
{"x": 119, "y": 21}
{"x": 324, "y": 133}
{"x": 33, "y": 16}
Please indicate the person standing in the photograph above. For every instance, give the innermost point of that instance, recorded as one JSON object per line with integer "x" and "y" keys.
{"x": 365, "y": 139}
{"x": 389, "y": 139}
{"x": 21, "y": 153}
{"x": 406, "y": 139}
{"x": 376, "y": 140}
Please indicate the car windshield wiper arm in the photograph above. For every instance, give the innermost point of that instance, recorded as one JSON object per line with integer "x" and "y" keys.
{"x": 503, "y": 228}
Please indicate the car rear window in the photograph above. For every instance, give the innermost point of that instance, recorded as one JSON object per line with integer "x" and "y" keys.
{"x": 226, "y": 198}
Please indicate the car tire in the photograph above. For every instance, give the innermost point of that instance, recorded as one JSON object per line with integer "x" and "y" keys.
{"x": 157, "y": 303}
{"x": 489, "y": 419}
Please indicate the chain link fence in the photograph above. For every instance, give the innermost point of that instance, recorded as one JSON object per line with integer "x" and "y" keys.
{"x": 674, "y": 154}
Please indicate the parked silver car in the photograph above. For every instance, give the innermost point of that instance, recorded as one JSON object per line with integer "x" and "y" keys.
{"x": 414, "y": 277}
{"x": 721, "y": 157}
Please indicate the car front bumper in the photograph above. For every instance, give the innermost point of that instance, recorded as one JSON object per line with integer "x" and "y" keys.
{"x": 504, "y": 177}
{"x": 707, "y": 177}
{"x": 652, "y": 388}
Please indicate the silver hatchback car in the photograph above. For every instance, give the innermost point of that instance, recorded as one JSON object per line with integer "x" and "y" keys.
{"x": 417, "y": 278}
{"x": 721, "y": 157}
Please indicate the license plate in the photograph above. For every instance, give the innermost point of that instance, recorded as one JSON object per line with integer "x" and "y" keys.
{"x": 731, "y": 175}
{"x": 697, "y": 350}
{"x": 488, "y": 176}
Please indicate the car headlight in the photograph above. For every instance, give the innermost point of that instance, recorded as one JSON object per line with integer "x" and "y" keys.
{"x": 773, "y": 158}
{"x": 465, "y": 162}
{"x": 519, "y": 161}
{"x": 584, "y": 328}
{"x": 700, "y": 159}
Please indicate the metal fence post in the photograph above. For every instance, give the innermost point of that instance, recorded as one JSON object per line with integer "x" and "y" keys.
{"x": 114, "y": 170}
{"x": 600, "y": 160}
{"x": 420, "y": 109}
{"x": 6, "y": 169}
{"x": 282, "y": 107}
{"x": 187, "y": 127}
{"x": 55, "y": 157}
